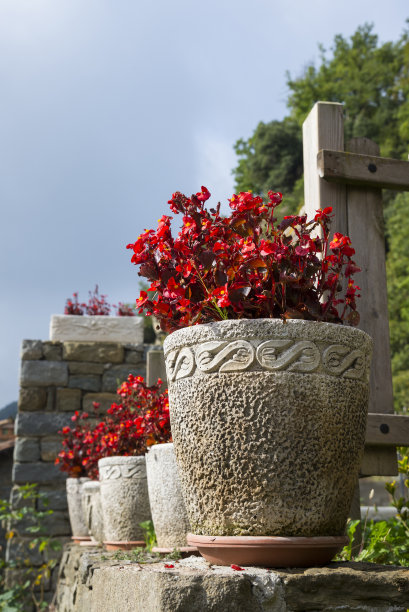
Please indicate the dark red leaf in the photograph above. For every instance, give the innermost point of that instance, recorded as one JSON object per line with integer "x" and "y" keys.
{"x": 220, "y": 278}
{"x": 206, "y": 258}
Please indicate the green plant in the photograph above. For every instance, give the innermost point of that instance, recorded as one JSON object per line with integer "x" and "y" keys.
{"x": 149, "y": 534}
{"x": 175, "y": 555}
{"x": 401, "y": 502}
{"x": 24, "y": 517}
{"x": 383, "y": 542}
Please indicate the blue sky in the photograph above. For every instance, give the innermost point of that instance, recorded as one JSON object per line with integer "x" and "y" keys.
{"x": 107, "y": 107}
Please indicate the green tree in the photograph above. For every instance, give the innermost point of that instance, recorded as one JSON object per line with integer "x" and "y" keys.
{"x": 367, "y": 78}
{"x": 372, "y": 81}
{"x": 397, "y": 266}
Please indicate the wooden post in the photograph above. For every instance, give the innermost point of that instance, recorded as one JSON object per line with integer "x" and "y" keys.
{"x": 323, "y": 129}
{"x": 366, "y": 230}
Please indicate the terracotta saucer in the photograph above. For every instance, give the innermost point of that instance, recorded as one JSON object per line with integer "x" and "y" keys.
{"x": 268, "y": 551}
{"x": 128, "y": 545}
{"x": 185, "y": 551}
{"x": 79, "y": 539}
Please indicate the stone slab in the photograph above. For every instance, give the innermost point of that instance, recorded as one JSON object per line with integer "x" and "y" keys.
{"x": 86, "y": 367}
{"x": 90, "y": 382}
{"x": 104, "y": 400}
{"x": 95, "y": 352}
{"x": 27, "y": 449}
{"x": 135, "y": 354}
{"x": 31, "y": 349}
{"x": 117, "y": 374}
{"x": 39, "y": 472}
{"x": 50, "y": 447}
{"x": 52, "y": 351}
{"x": 56, "y": 497}
{"x": 100, "y": 582}
{"x": 68, "y": 400}
{"x": 32, "y": 398}
{"x": 43, "y": 373}
{"x": 96, "y": 329}
{"x": 41, "y": 423}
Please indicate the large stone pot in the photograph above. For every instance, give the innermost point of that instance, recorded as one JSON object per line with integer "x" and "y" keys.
{"x": 165, "y": 495}
{"x": 124, "y": 501}
{"x": 91, "y": 503}
{"x": 268, "y": 422}
{"x": 76, "y": 515}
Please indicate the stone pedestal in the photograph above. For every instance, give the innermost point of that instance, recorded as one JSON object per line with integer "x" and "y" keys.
{"x": 92, "y": 581}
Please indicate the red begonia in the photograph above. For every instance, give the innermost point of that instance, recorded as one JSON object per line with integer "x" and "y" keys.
{"x": 244, "y": 265}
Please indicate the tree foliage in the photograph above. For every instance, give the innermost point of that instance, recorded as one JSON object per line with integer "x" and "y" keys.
{"x": 372, "y": 81}
{"x": 397, "y": 266}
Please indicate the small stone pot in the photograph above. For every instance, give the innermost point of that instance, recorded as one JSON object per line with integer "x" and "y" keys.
{"x": 91, "y": 502}
{"x": 124, "y": 500}
{"x": 268, "y": 423}
{"x": 75, "y": 509}
{"x": 165, "y": 495}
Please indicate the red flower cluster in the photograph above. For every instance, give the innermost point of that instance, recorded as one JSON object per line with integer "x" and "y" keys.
{"x": 97, "y": 305}
{"x": 244, "y": 266}
{"x": 129, "y": 428}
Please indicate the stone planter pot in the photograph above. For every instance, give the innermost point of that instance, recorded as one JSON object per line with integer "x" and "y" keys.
{"x": 91, "y": 503}
{"x": 124, "y": 501}
{"x": 75, "y": 494}
{"x": 268, "y": 423}
{"x": 74, "y": 328}
{"x": 165, "y": 495}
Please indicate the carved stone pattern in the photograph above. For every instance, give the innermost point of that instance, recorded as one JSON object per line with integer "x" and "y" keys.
{"x": 180, "y": 364}
{"x": 273, "y": 355}
{"x": 302, "y": 356}
{"x": 113, "y": 472}
{"x": 224, "y": 357}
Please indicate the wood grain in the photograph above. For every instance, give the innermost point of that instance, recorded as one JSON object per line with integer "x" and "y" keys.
{"x": 363, "y": 170}
{"x": 323, "y": 129}
{"x": 387, "y": 429}
{"x": 366, "y": 230}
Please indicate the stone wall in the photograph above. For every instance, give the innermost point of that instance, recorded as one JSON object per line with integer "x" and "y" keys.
{"x": 106, "y": 582}
{"x": 6, "y": 464}
{"x": 57, "y": 379}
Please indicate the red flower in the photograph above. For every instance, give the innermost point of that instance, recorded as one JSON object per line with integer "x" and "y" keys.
{"x": 243, "y": 265}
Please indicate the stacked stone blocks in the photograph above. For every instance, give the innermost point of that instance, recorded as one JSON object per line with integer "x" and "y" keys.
{"x": 56, "y": 380}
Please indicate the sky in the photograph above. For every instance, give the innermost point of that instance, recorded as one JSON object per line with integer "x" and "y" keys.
{"x": 109, "y": 106}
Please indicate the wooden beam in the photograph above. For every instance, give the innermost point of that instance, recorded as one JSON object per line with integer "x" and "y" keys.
{"x": 363, "y": 170}
{"x": 323, "y": 129}
{"x": 387, "y": 429}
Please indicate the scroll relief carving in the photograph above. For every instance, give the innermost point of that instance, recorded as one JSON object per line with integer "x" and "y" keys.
{"x": 303, "y": 356}
{"x": 180, "y": 364}
{"x": 224, "y": 356}
{"x": 340, "y": 361}
{"x": 274, "y": 355}
{"x": 113, "y": 472}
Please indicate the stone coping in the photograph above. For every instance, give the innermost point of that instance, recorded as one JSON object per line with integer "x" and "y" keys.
{"x": 96, "y": 328}
{"x": 96, "y": 580}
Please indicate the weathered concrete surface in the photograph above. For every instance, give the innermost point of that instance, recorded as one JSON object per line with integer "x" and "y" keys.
{"x": 93, "y": 581}
{"x": 268, "y": 424}
{"x": 96, "y": 328}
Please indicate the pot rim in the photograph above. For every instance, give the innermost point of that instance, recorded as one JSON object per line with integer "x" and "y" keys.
{"x": 121, "y": 460}
{"x": 235, "y": 329}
